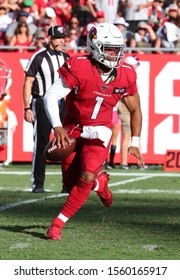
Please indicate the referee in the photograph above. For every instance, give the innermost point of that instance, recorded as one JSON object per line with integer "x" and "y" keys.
{"x": 40, "y": 74}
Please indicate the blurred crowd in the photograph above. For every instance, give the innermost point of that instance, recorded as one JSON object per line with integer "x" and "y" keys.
{"x": 144, "y": 24}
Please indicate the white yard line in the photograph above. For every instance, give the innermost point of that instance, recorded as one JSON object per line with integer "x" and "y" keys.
{"x": 142, "y": 191}
{"x": 131, "y": 180}
{"x": 124, "y": 174}
{"x": 141, "y": 176}
{"x": 20, "y": 203}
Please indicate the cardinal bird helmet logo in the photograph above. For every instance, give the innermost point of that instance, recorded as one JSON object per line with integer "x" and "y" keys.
{"x": 93, "y": 33}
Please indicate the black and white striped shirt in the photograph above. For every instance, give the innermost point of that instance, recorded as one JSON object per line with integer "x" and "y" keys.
{"x": 43, "y": 66}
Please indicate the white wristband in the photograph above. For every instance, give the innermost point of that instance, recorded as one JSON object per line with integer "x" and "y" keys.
{"x": 135, "y": 141}
{"x": 57, "y": 123}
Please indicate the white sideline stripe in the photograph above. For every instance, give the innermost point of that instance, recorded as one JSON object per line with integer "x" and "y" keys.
{"x": 131, "y": 180}
{"x": 160, "y": 174}
{"x": 144, "y": 177}
{"x": 13, "y": 205}
{"x": 141, "y": 191}
{"x": 137, "y": 191}
{"x": 125, "y": 174}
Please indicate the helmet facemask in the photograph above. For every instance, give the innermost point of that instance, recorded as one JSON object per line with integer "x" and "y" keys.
{"x": 106, "y": 45}
{"x": 109, "y": 60}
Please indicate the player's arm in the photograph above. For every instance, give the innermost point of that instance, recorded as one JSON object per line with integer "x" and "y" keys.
{"x": 28, "y": 114}
{"x": 91, "y": 8}
{"x": 133, "y": 104}
{"x": 56, "y": 92}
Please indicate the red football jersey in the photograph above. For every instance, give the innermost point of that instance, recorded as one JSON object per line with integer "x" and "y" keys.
{"x": 91, "y": 101}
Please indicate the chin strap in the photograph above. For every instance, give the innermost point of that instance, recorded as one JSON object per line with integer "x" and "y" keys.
{"x": 111, "y": 76}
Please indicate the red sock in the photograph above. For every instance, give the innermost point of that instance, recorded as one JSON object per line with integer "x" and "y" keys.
{"x": 59, "y": 222}
{"x": 77, "y": 197}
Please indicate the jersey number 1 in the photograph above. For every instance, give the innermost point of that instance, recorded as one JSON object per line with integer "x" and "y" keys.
{"x": 99, "y": 101}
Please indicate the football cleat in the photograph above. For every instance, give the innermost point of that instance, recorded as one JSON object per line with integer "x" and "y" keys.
{"x": 145, "y": 167}
{"x": 54, "y": 232}
{"x": 124, "y": 166}
{"x": 38, "y": 190}
{"x": 103, "y": 192}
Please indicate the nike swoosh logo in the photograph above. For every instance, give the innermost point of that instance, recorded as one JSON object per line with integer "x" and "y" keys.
{"x": 69, "y": 66}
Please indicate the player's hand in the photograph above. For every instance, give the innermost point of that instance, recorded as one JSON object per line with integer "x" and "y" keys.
{"x": 136, "y": 152}
{"x": 28, "y": 116}
{"x": 61, "y": 137}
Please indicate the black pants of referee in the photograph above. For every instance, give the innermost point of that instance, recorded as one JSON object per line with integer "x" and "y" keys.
{"x": 41, "y": 134}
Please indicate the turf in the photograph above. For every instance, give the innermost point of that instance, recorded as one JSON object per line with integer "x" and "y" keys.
{"x": 142, "y": 224}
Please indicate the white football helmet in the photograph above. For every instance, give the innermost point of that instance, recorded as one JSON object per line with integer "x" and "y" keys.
{"x": 104, "y": 36}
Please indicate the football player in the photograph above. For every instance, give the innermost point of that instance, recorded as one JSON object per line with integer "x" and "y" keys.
{"x": 92, "y": 85}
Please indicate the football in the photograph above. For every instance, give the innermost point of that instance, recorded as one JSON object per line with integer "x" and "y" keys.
{"x": 52, "y": 153}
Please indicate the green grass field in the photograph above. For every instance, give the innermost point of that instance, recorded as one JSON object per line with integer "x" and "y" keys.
{"x": 142, "y": 224}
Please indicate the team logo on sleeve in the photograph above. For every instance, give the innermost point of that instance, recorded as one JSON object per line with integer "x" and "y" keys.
{"x": 119, "y": 90}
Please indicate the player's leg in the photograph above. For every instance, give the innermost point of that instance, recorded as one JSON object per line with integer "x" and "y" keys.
{"x": 115, "y": 133}
{"x": 124, "y": 150}
{"x": 91, "y": 158}
{"x": 41, "y": 132}
{"x": 71, "y": 165}
{"x": 124, "y": 116}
